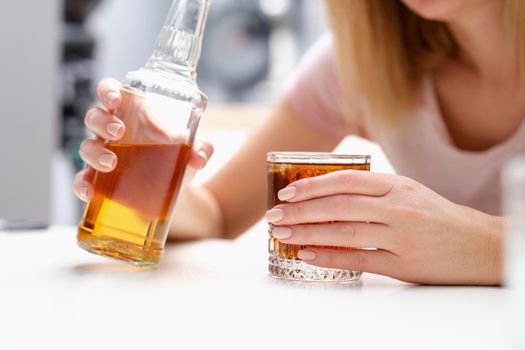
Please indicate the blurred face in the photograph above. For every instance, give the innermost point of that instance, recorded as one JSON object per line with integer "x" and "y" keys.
{"x": 446, "y": 10}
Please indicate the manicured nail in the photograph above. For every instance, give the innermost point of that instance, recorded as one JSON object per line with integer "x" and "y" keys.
{"x": 111, "y": 97}
{"x": 203, "y": 155}
{"x": 281, "y": 232}
{"x": 83, "y": 193}
{"x": 107, "y": 160}
{"x": 306, "y": 254}
{"x": 274, "y": 215}
{"x": 114, "y": 128}
{"x": 286, "y": 193}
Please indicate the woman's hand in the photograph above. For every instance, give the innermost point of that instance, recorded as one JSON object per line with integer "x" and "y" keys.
{"x": 420, "y": 236}
{"x": 106, "y": 126}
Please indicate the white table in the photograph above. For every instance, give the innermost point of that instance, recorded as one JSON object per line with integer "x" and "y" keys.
{"x": 217, "y": 295}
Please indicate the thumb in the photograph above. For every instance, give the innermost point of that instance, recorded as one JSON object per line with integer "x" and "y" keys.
{"x": 189, "y": 174}
{"x": 201, "y": 153}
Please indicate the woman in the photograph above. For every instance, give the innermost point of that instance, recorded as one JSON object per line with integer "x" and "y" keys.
{"x": 437, "y": 83}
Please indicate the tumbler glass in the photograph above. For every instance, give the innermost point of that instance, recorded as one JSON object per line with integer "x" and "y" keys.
{"x": 283, "y": 169}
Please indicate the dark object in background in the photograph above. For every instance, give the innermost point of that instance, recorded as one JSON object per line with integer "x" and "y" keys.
{"x": 76, "y": 11}
{"x": 77, "y": 74}
{"x": 235, "y": 53}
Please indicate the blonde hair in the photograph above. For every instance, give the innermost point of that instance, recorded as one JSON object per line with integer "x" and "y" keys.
{"x": 386, "y": 49}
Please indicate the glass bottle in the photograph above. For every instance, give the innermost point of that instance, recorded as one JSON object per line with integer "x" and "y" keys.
{"x": 130, "y": 213}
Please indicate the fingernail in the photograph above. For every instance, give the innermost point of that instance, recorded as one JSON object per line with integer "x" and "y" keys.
{"x": 203, "y": 155}
{"x": 306, "y": 254}
{"x": 83, "y": 193}
{"x": 286, "y": 193}
{"x": 111, "y": 97}
{"x": 274, "y": 215}
{"x": 114, "y": 128}
{"x": 107, "y": 160}
{"x": 281, "y": 232}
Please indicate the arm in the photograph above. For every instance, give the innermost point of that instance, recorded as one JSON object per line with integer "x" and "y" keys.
{"x": 235, "y": 198}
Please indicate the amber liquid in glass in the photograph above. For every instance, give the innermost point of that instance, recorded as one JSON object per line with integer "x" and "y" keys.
{"x": 128, "y": 217}
{"x": 282, "y": 174}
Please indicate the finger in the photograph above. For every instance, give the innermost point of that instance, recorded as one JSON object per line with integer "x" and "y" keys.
{"x": 82, "y": 185}
{"x": 108, "y": 91}
{"x": 88, "y": 174}
{"x": 344, "y": 207}
{"x": 338, "y": 234}
{"x": 189, "y": 174}
{"x": 202, "y": 152}
{"x": 373, "y": 261}
{"x": 343, "y": 181}
{"x": 104, "y": 124}
{"x": 98, "y": 157}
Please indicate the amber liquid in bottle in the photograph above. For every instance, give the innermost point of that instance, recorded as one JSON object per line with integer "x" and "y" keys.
{"x": 282, "y": 174}
{"x": 128, "y": 217}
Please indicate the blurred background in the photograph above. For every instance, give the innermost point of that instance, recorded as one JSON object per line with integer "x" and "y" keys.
{"x": 54, "y": 52}
{"x": 61, "y": 48}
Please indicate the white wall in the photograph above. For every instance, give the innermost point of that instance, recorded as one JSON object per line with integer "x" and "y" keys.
{"x": 126, "y": 31}
{"x": 29, "y": 38}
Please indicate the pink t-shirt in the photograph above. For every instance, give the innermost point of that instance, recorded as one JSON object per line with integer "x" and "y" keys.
{"x": 421, "y": 149}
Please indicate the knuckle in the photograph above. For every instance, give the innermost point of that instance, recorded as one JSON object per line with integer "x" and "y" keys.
{"x": 353, "y": 178}
{"x": 84, "y": 147}
{"x": 406, "y": 185}
{"x": 112, "y": 81}
{"x": 304, "y": 185}
{"x": 346, "y": 177}
{"x": 88, "y": 118}
{"x": 95, "y": 119}
{"x": 79, "y": 178}
{"x": 342, "y": 204}
{"x": 410, "y": 212}
{"x": 87, "y": 147}
{"x": 307, "y": 234}
{"x": 348, "y": 230}
{"x": 103, "y": 83}
{"x": 404, "y": 199}
{"x": 296, "y": 211}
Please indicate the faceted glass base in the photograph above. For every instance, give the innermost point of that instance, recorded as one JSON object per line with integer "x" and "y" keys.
{"x": 297, "y": 270}
{"x": 117, "y": 249}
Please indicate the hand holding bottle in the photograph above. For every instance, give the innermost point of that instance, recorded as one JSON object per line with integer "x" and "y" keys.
{"x": 107, "y": 126}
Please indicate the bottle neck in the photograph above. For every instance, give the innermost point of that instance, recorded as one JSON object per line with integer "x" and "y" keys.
{"x": 178, "y": 46}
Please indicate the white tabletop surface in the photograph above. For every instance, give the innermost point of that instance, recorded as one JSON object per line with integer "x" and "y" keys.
{"x": 217, "y": 295}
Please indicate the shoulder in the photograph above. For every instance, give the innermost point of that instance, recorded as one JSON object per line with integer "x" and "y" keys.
{"x": 315, "y": 91}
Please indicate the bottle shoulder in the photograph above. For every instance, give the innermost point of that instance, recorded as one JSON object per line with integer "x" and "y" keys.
{"x": 182, "y": 87}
